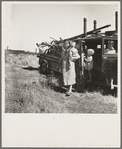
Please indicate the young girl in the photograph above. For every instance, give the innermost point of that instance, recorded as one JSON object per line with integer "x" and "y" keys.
{"x": 89, "y": 62}
{"x": 73, "y": 53}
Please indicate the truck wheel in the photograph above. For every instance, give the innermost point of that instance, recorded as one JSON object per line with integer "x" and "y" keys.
{"x": 43, "y": 67}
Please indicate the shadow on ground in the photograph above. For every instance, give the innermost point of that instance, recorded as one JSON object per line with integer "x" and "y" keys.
{"x": 30, "y": 68}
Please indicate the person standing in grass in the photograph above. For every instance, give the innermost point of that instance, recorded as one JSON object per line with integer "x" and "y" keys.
{"x": 68, "y": 67}
{"x": 89, "y": 63}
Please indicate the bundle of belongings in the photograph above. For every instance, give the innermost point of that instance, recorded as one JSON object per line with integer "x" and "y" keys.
{"x": 52, "y": 48}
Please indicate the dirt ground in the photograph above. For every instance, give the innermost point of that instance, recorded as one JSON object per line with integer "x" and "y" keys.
{"x": 28, "y": 91}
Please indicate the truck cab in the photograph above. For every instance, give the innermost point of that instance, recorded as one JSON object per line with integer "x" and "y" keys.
{"x": 104, "y": 60}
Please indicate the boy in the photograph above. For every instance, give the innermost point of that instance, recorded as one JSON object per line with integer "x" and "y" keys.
{"x": 89, "y": 62}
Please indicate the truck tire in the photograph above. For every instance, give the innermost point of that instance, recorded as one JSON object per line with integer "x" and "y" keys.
{"x": 43, "y": 67}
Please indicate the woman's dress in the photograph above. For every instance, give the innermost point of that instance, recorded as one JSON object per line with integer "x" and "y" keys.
{"x": 69, "y": 76}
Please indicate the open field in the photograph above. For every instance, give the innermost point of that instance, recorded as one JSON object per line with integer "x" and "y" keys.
{"x": 28, "y": 91}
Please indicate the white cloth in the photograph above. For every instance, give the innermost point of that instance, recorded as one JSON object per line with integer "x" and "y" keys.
{"x": 42, "y": 49}
{"x": 108, "y": 51}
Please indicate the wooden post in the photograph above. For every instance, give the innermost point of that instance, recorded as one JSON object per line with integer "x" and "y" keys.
{"x": 80, "y": 53}
{"x": 95, "y": 24}
{"x": 116, "y": 21}
{"x": 81, "y": 66}
{"x": 85, "y": 26}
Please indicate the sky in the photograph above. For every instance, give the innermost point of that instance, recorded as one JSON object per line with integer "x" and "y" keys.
{"x": 26, "y": 23}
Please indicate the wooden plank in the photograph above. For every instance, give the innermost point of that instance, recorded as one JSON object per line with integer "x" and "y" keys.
{"x": 50, "y": 56}
{"x": 80, "y": 52}
{"x": 90, "y": 32}
{"x": 53, "y": 59}
{"x": 95, "y": 83}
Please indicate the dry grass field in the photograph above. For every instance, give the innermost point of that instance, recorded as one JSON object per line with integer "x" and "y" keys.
{"x": 28, "y": 91}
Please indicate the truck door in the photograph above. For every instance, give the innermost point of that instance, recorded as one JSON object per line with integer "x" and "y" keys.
{"x": 109, "y": 59}
{"x": 96, "y": 45}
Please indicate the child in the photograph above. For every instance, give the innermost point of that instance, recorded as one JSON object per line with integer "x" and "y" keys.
{"x": 89, "y": 62}
{"x": 73, "y": 53}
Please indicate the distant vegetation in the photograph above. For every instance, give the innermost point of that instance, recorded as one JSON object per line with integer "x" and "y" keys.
{"x": 20, "y": 52}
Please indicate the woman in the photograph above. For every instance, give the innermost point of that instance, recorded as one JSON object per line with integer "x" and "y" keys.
{"x": 67, "y": 70}
{"x": 110, "y": 48}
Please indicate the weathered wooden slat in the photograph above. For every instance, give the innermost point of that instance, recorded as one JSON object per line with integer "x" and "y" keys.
{"x": 90, "y": 32}
{"x": 50, "y": 57}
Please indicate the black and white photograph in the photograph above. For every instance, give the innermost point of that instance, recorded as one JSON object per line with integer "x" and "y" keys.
{"x": 61, "y": 58}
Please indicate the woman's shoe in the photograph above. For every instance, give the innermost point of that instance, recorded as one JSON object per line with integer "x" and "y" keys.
{"x": 68, "y": 93}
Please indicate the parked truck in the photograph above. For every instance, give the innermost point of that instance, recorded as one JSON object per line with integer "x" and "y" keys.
{"x": 104, "y": 64}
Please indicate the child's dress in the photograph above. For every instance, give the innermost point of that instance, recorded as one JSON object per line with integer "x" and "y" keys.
{"x": 72, "y": 53}
{"x": 89, "y": 63}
